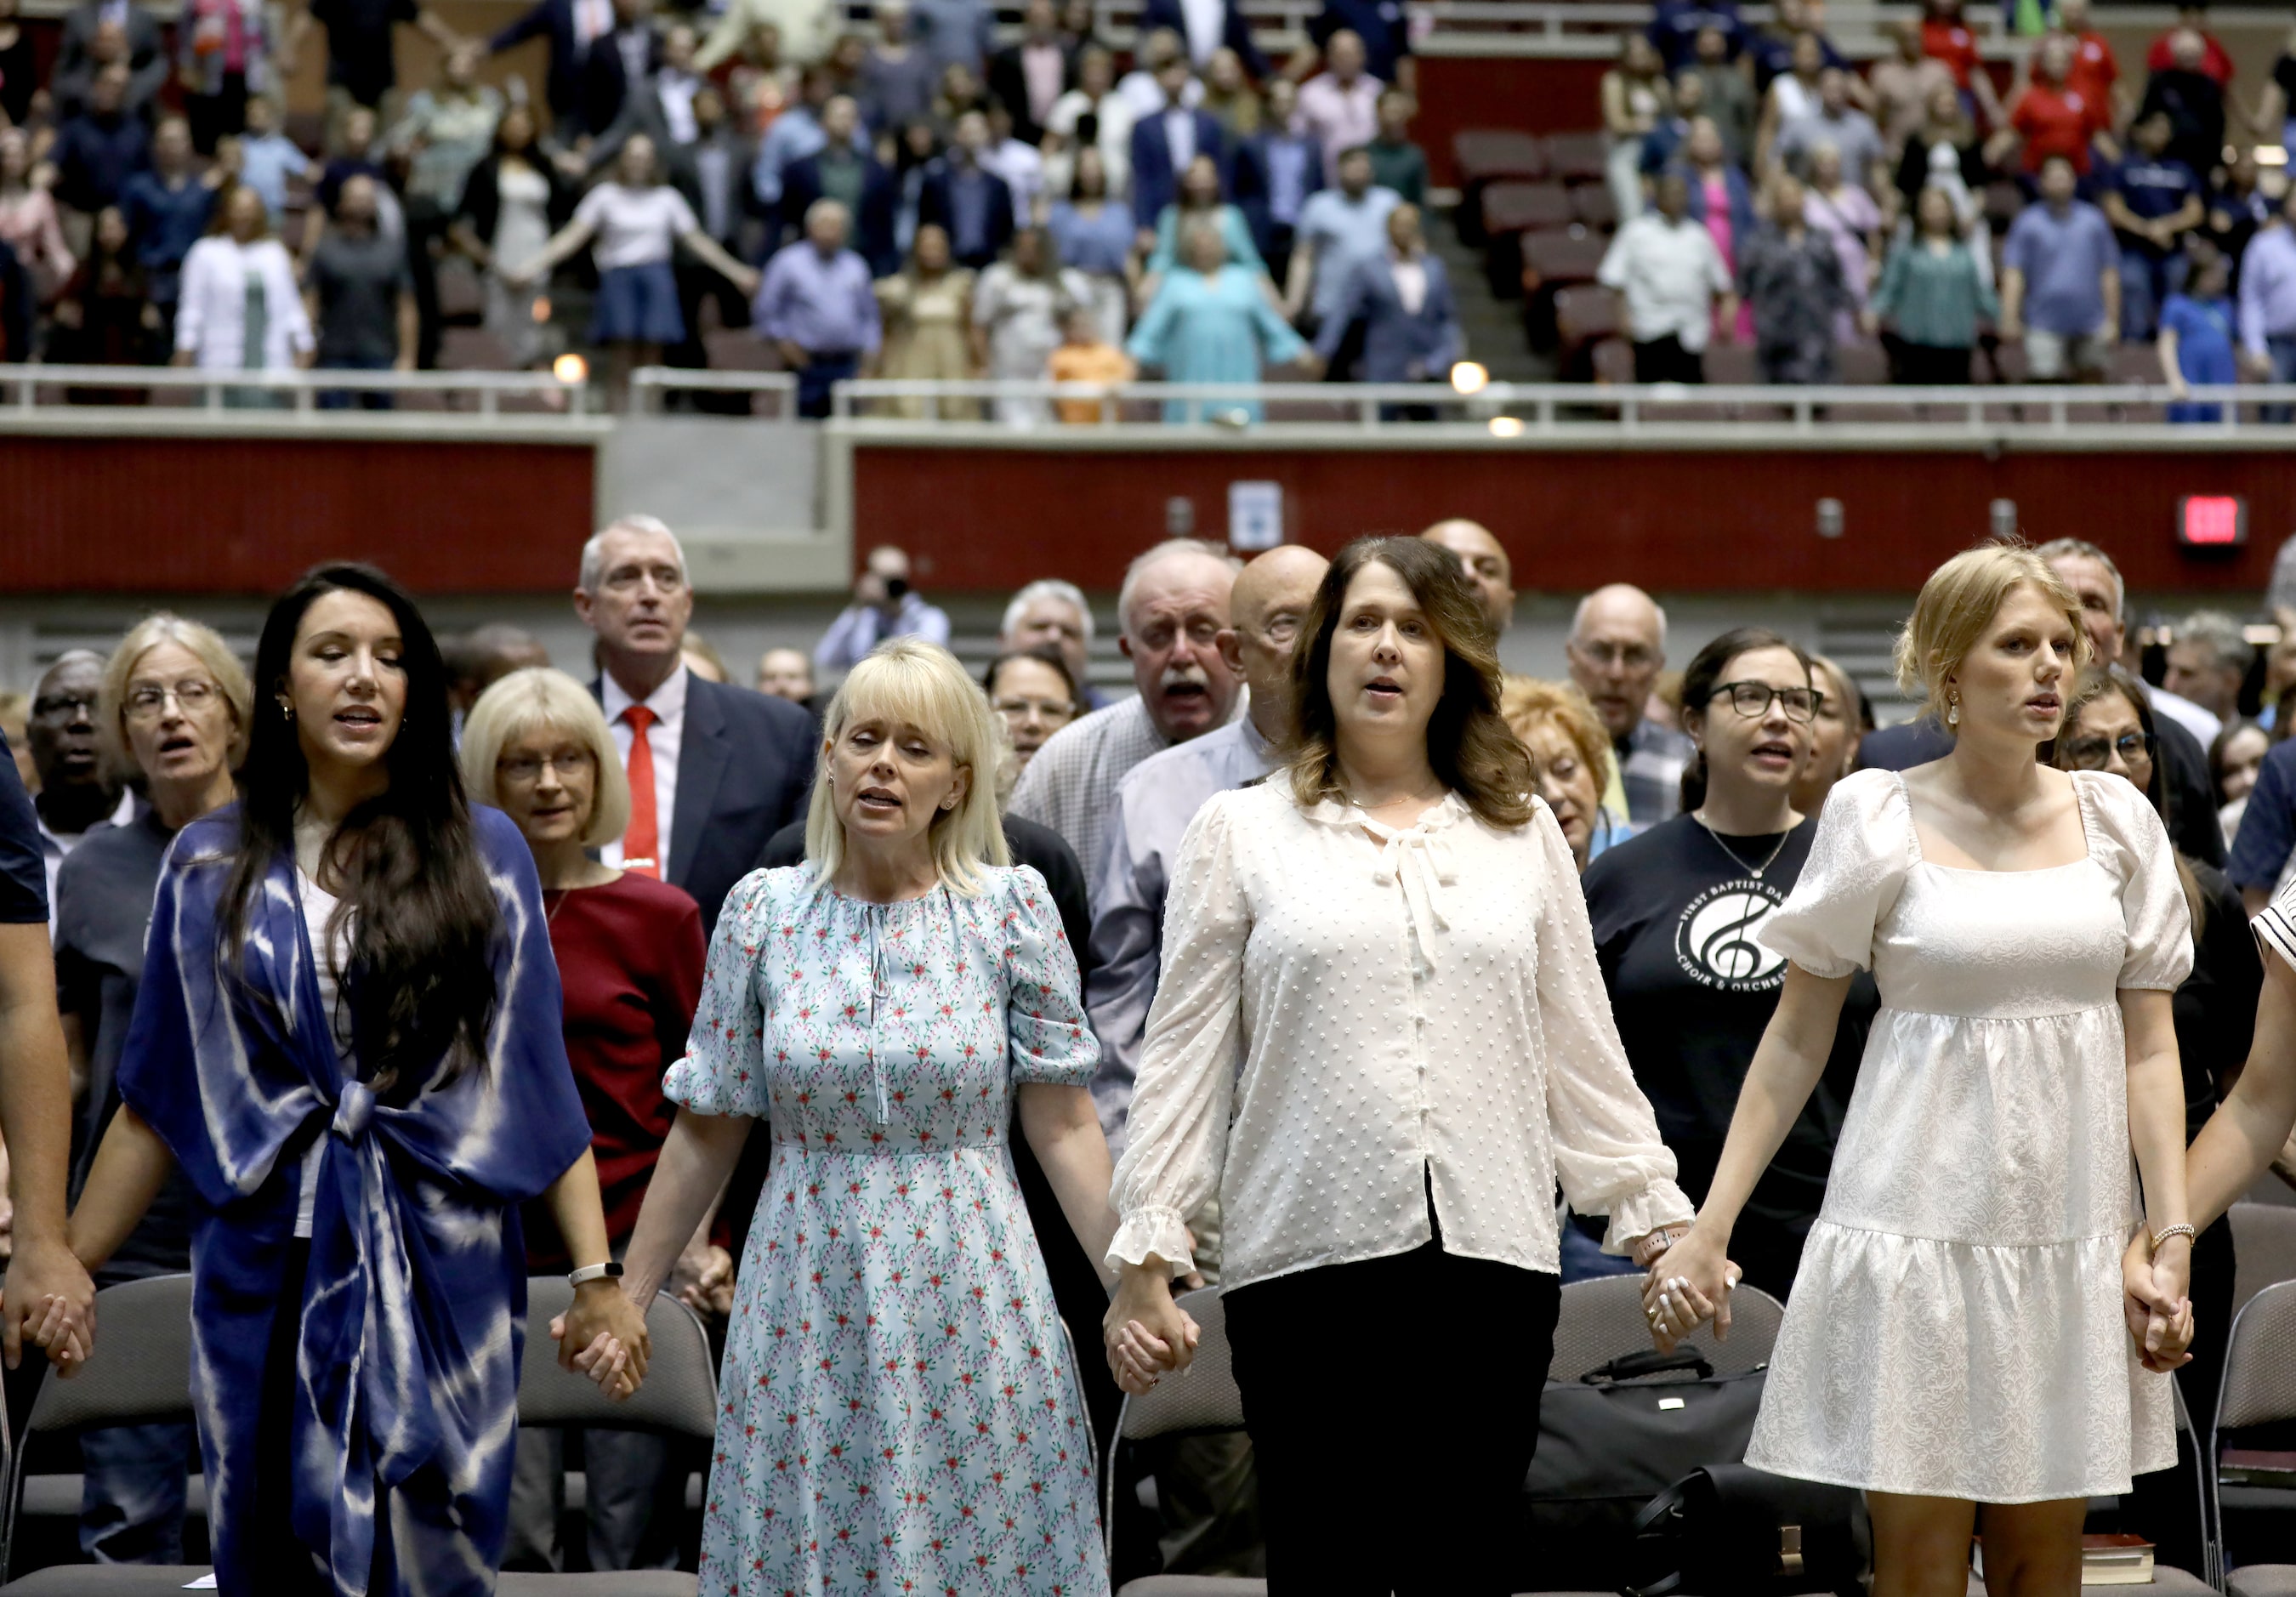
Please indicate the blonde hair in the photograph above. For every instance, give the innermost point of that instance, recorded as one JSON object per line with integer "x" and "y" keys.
{"x": 535, "y": 699}
{"x": 1959, "y": 602}
{"x": 1524, "y": 701}
{"x": 204, "y": 644}
{"x": 912, "y": 682}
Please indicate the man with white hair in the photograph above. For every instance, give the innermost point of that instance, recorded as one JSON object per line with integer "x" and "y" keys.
{"x": 817, "y": 304}
{"x": 1617, "y": 649}
{"x": 1050, "y": 611}
{"x": 714, "y": 770}
{"x": 1173, "y": 605}
{"x": 2208, "y": 662}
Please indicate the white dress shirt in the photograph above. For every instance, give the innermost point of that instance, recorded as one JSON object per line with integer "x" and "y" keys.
{"x": 1418, "y": 1011}
{"x": 667, "y": 703}
{"x": 1145, "y": 95}
{"x": 1205, "y": 24}
{"x": 1180, "y": 138}
{"x": 1410, "y": 273}
{"x": 1669, "y": 273}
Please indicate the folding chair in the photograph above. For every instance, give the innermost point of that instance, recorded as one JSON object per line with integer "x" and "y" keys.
{"x": 2259, "y": 1389}
{"x": 141, "y": 1375}
{"x": 1204, "y": 1399}
{"x": 2264, "y": 1241}
{"x": 679, "y": 1399}
{"x": 1603, "y": 1318}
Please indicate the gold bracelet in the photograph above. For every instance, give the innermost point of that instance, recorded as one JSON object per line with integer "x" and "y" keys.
{"x": 2179, "y": 1230}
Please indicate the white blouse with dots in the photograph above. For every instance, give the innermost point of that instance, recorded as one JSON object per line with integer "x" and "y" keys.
{"x": 1415, "y": 1010}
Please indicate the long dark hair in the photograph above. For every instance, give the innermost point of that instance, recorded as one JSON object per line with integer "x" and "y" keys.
{"x": 1468, "y": 742}
{"x": 1704, "y": 674}
{"x": 421, "y": 982}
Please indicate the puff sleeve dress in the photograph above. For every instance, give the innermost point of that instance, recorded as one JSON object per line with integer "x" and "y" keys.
{"x": 1956, "y": 1329}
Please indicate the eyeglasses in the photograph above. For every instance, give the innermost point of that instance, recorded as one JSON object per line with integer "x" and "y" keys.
{"x": 146, "y": 701}
{"x": 2095, "y": 754}
{"x": 1021, "y": 709}
{"x": 523, "y": 768}
{"x": 1752, "y": 699}
{"x": 65, "y": 706}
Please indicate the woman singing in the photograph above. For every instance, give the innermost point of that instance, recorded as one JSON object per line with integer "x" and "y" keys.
{"x": 899, "y": 1413}
{"x": 346, "y": 1038}
{"x": 1956, "y": 1336}
{"x": 1380, "y": 1038}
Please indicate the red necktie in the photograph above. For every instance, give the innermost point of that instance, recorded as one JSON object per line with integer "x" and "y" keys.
{"x": 639, "y": 843}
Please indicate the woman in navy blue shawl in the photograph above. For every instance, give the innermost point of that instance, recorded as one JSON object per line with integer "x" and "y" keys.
{"x": 359, "y": 1388}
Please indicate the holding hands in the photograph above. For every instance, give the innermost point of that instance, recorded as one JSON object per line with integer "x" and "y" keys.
{"x": 604, "y": 1336}
{"x": 2157, "y": 1298}
{"x": 1147, "y": 1333}
{"x": 1690, "y": 1281}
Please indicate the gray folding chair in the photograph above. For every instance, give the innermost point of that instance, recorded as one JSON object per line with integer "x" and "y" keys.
{"x": 1603, "y": 1318}
{"x": 2259, "y": 1388}
{"x": 1204, "y": 1399}
{"x": 2264, "y": 1240}
{"x": 679, "y": 1399}
{"x": 141, "y": 1375}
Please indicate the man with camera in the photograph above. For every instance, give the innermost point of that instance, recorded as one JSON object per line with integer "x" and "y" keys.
{"x": 884, "y": 606}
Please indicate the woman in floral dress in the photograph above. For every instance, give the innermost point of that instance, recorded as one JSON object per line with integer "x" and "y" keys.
{"x": 899, "y": 1413}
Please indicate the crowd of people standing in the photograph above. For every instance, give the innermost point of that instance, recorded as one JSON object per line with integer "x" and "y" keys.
{"x": 455, "y": 958}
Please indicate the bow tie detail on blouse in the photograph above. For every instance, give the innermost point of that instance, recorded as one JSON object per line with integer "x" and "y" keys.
{"x": 353, "y": 1110}
{"x": 1421, "y": 860}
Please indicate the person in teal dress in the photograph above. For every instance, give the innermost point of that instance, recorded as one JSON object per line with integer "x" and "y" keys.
{"x": 1211, "y": 322}
{"x": 1199, "y": 199}
{"x": 899, "y": 1404}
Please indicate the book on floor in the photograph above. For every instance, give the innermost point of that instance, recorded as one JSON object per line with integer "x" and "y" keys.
{"x": 2106, "y": 1561}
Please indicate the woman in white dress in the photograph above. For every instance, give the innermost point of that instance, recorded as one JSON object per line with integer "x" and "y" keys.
{"x": 1381, "y": 1037}
{"x": 1956, "y": 1334}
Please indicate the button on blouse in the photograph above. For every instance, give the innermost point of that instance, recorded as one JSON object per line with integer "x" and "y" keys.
{"x": 1413, "y": 1008}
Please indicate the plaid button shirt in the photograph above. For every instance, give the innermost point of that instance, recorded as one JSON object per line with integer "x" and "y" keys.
{"x": 1071, "y": 785}
{"x": 1651, "y": 763}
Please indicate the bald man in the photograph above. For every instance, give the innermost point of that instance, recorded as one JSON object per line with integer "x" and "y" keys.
{"x": 1155, "y": 802}
{"x": 1484, "y": 560}
{"x": 1617, "y": 649}
{"x": 78, "y": 791}
{"x": 1174, "y": 605}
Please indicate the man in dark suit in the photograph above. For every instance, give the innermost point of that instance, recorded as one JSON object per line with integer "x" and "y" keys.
{"x": 714, "y": 770}
{"x": 1234, "y": 32}
{"x": 562, "y": 22}
{"x": 1164, "y": 144}
{"x": 841, "y": 171}
{"x": 1029, "y": 77}
{"x": 620, "y": 64}
{"x": 1403, "y": 297}
{"x": 966, "y": 199}
{"x": 133, "y": 38}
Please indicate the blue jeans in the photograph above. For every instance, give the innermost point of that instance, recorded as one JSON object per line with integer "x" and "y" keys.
{"x": 1583, "y": 1258}
{"x": 134, "y": 1486}
{"x": 815, "y": 376}
{"x": 366, "y": 398}
{"x": 2146, "y": 282}
{"x": 2281, "y": 350}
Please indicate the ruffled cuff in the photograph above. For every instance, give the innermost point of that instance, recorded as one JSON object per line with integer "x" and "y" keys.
{"x": 1156, "y": 1230}
{"x": 1638, "y": 1213}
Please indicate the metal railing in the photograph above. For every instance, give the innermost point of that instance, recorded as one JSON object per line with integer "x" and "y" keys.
{"x": 47, "y": 389}
{"x": 774, "y": 394}
{"x": 1553, "y": 410}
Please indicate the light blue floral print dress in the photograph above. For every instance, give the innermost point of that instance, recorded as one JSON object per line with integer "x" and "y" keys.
{"x": 898, "y": 1411}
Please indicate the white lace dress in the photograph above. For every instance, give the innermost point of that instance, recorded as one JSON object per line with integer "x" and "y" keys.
{"x": 1956, "y": 1329}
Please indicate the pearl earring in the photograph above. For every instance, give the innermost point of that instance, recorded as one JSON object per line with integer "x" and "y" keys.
{"x": 1953, "y": 712}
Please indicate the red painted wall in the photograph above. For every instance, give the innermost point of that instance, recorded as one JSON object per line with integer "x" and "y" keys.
{"x": 1460, "y": 92}
{"x": 988, "y": 519}
{"x": 246, "y": 515}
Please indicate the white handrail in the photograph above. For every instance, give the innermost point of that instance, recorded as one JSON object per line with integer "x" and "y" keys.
{"x": 21, "y": 386}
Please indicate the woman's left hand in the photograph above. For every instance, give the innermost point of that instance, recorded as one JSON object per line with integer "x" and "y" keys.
{"x": 2156, "y": 1303}
{"x": 604, "y": 1312}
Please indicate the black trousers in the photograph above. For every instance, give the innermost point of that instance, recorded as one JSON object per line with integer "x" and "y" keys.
{"x": 1665, "y": 360}
{"x": 1392, "y": 1463}
{"x": 1929, "y": 365}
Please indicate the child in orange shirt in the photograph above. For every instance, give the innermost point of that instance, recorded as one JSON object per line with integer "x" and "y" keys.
{"x": 1085, "y": 356}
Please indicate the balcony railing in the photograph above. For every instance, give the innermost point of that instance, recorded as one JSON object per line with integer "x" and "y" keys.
{"x": 154, "y": 394}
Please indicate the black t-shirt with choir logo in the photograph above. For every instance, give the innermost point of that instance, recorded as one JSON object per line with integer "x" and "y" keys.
{"x": 1678, "y": 916}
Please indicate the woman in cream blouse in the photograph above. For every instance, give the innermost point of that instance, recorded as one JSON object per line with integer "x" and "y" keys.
{"x": 1391, "y": 941}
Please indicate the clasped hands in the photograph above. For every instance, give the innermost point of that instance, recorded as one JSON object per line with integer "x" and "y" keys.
{"x": 2156, "y": 1298}
{"x": 1691, "y": 1277}
{"x": 604, "y": 1337}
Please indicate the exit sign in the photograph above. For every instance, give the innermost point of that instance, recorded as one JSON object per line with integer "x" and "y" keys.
{"x": 2212, "y": 521}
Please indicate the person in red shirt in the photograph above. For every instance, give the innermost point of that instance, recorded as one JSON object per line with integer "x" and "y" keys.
{"x": 629, "y": 952}
{"x": 1947, "y": 38}
{"x": 2095, "y": 72}
{"x": 2052, "y": 118}
{"x": 2216, "y": 61}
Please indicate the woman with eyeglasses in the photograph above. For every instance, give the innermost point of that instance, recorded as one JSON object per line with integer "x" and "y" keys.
{"x": 1678, "y": 912}
{"x": 629, "y": 949}
{"x": 2110, "y": 728}
{"x": 174, "y": 705}
{"x": 1033, "y": 692}
{"x": 1965, "y": 1343}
